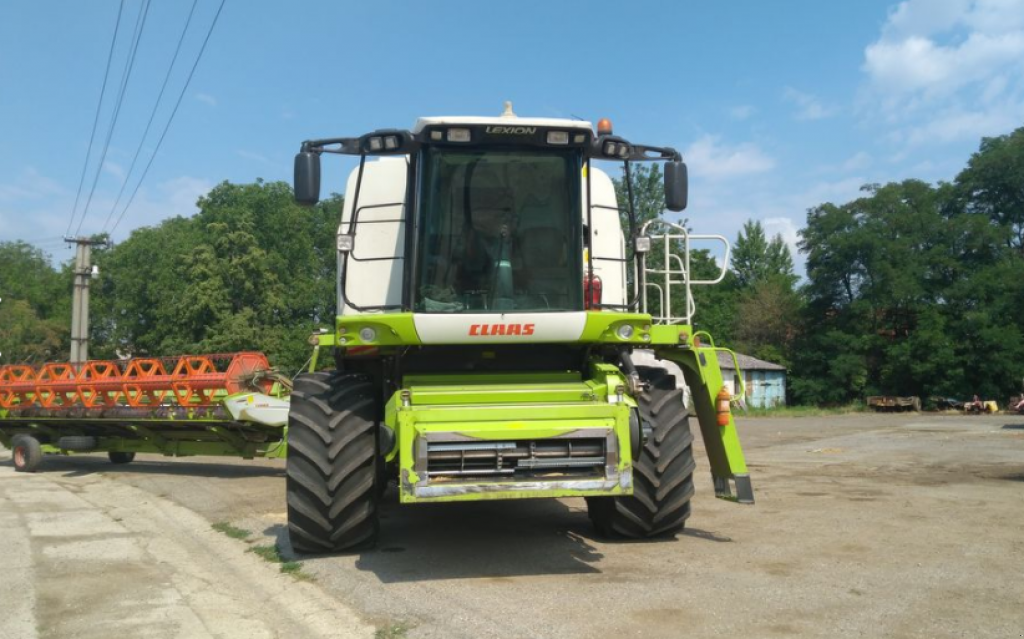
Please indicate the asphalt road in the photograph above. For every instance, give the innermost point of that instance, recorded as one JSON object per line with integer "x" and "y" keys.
{"x": 865, "y": 526}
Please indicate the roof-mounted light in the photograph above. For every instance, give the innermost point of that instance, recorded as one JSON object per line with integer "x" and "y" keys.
{"x": 459, "y": 135}
{"x": 604, "y": 126}
{"x": 387, "y": 142}
{"x": 612, "y": 148}
{"x": 558, "y": 137}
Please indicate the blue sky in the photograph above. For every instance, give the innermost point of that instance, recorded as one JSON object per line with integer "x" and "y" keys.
{"x": 776, "y": 106}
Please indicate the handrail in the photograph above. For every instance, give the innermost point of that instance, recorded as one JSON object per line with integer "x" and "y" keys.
{"x": 675, "y": 271}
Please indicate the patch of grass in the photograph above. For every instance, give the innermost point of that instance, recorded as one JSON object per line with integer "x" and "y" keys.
{"x": 268, "y": 553}
{"x": 393, "y": 631}
{"x": 231, "y": 531}
{"x": 272, "y": 553}
{"x": 802, "y": 411}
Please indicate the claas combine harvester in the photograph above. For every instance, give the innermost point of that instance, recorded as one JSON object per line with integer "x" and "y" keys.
{"x": 489, "y": 306}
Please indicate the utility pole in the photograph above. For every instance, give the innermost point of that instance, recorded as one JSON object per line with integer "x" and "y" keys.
{"x": 84, "y": 272}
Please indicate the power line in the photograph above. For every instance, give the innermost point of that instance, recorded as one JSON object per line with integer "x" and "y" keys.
{"x": 152, "y": 115}
{"x": 171, "y": 119}
{"x": 140, "y": 25}
{"x": 96, "y": 119}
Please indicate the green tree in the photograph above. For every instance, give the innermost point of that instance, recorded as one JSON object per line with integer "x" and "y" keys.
{"x": 35, "y": 306}
{"x": 756, "y": 259}
{"x": 251, "y": 270}
{"x": 27, "y": 338}
{"x": 992, "y": 185}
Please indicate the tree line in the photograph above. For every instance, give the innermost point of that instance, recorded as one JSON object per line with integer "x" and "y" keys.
{"x": 910, "y": 289}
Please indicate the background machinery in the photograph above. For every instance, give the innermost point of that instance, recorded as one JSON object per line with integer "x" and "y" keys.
{"x": 489, "y": 303}
{"x": 230, "y": 404}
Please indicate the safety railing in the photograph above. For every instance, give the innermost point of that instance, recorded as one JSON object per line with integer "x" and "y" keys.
{"x": 671, "y": 279}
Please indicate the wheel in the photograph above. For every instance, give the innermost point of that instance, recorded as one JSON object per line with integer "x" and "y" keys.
{"x": 332, "y": 472}
{"x": 119, "y": 457}
{"x": 27, "y": 453}
{"x": 76, "y": 442}
{"x": 662, "y": 477}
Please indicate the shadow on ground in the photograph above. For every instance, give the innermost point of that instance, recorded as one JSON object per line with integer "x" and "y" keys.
{"x": 489, "y": 539}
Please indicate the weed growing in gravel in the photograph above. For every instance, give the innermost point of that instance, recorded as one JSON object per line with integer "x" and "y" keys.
{"x": 230, "y": 531}
{"x": 394, "y": 631}
{"x": 272, "y": 553}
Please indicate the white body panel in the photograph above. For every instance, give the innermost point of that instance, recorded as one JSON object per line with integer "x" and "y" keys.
{"x": 607, "y": 238}
{"x": 480, "y": 328}
{"x": 375, "y": 283}
{"x": 380, "y": 233}
{"x": 258, "y": 408}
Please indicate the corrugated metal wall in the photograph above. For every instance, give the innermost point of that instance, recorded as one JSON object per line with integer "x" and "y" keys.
{"x": 765, "y": 389}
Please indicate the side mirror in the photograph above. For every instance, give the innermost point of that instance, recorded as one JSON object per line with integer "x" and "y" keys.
{"x": 676, "y": 185}
{"x": 307, "y": 178}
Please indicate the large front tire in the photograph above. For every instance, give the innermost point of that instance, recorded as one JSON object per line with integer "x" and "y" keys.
{"x": 662, "y": 477}
{"x": 332, "y": 463}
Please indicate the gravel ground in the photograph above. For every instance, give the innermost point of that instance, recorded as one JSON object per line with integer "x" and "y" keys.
{"x": 865, "y": 526}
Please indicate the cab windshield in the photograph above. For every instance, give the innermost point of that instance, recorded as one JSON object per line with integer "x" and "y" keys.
{"x": 500, "y": 232}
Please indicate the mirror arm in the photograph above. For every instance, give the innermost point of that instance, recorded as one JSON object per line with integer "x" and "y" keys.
{"x": 641, "y": 153}
{"x": 346, "y": 146}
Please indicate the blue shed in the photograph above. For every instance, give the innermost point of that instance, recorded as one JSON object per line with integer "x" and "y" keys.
{"x": 766, "y": 382}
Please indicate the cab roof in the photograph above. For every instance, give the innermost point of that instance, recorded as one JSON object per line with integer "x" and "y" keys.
{"x": 456, "y": 120}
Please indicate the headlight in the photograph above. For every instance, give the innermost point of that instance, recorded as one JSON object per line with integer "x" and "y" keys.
{"x": 625, "y": 331}
{"x": 367, "y": 334}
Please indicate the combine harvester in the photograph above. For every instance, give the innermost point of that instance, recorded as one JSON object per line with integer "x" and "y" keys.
{"x": 489, "y": 306}
{"x": 486, "y": 327}
{"x": 231, "y": 404}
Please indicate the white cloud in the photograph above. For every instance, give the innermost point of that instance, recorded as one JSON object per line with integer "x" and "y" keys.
{"x": 36, "y": 206}
{"x": 207, "y": 99}
{"x": 947, "y": 70}
{"x": 809, "y": 107}
{"x": 785, "y": 227}
{"x": 741, "y": 112}
{"x": 957, "y": 124}
{"x": 712, "y": 160}
{"x": 919, "y": 65}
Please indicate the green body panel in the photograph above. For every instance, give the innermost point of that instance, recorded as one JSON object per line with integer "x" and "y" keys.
{"x": 509, "y": 408}
{"x": 392, "y": 329}
{"x": 704, "y": 378}
{"x": 517, "y": 406}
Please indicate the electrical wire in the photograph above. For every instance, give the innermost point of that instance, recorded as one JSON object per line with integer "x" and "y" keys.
{"x": 152, "y": 115}
{"x": 140, "y": 25}
{"x": 170, "y": 119}
{"x": 96, "y": 119}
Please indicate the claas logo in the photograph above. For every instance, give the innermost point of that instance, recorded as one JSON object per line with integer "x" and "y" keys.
{"x": 500, "y": 329}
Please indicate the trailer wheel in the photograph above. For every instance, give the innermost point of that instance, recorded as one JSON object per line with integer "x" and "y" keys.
{"x": 332, "y": 464}
{"x": 121, "y": 457}
{"x": 81, "y": 443}
{"x": 27, "y": 453}
{"x": 662, "y": 477}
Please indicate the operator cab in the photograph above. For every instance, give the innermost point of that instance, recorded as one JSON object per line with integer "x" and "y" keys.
{"x": 498, "y": 215}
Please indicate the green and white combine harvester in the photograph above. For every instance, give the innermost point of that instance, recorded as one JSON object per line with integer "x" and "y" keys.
{"x": 489, "y": 309}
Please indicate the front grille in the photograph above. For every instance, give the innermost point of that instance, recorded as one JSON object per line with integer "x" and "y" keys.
{"x": 521, "y": 458}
